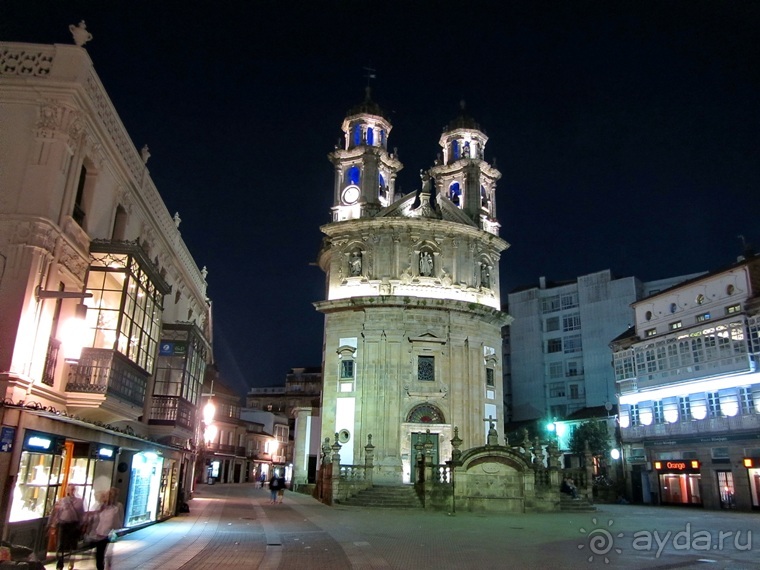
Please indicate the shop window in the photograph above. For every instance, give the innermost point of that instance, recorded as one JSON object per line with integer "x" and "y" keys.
{"x": 726, "y": 489}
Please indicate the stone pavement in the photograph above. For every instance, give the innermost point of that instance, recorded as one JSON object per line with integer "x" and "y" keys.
{"x": 232, "y": 526}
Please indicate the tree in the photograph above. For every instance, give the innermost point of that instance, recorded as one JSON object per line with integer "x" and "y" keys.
{"x": 597, "y": 436}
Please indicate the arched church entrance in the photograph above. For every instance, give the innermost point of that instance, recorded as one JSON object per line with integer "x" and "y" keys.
{"x": 425, "y": 424}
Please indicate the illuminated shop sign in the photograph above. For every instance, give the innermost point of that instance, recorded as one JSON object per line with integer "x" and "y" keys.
{"x": 105, "y": 452}
{"x": 42, "y": 442}
{"x": 677, "y": 466}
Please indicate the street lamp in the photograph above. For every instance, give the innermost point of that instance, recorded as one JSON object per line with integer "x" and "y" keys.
{"x": 73, "y": 329}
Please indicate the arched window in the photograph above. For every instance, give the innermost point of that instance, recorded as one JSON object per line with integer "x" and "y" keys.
{"x": 357, "y": 135}
{"x": 370, "y": 136}
{"x": 382, "y": 137}
{"x": 455, "y": 194}
{"x": 483, "y": 197}
{"x": 353, "y": 175}
{"x": 455, "y": 149}
{"x": 425, "y": 414}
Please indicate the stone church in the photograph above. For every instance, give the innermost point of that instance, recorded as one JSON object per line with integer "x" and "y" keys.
{"x": 412, "y": 310}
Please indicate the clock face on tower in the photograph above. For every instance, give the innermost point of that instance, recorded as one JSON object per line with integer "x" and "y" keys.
{"x": 350, "y": 194}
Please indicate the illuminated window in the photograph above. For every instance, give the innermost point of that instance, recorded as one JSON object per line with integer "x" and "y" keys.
{"x": 703, "y": 317}
{"x": 675, "y": 326}
{"x": 650, "y": 332}
{"x": 124, "y": 313}
{"x": 634, "y": 413}
{"x": 733, "y": 309}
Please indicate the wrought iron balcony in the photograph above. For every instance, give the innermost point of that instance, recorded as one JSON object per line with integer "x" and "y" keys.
{"x": 103, "y": 371}
{"x": 172, "y": 410}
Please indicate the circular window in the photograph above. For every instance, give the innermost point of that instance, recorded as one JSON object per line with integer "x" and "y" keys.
{"x": 648, "y": 315}
{"x": 343, "y": 436}
{"x": 700, "y": 299}
{"x": 673, "y": 307}
{"x": 730, "y": 290}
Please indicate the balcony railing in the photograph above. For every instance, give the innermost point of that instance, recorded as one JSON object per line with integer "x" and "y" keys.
{"x": 103, "y": 371}
{"x": 172, "y": 410}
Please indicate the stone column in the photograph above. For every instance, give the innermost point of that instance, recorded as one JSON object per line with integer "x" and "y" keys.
{"x": 302, "y": 446}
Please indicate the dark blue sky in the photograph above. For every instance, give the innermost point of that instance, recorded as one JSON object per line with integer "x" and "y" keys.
{"x": 627, "y": 133}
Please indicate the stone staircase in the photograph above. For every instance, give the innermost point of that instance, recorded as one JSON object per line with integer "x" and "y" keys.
{"x": 395, "y": 497}
{"x": 570, "y": 505}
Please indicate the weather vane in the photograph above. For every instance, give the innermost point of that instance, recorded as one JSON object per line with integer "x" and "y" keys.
{"x": 369, "y": 74}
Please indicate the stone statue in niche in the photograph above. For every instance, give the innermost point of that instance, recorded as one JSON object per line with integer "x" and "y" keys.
{"x": 355, "y": 264}
{"x": 426, "y": 264}
{"x": 485, "y": 276}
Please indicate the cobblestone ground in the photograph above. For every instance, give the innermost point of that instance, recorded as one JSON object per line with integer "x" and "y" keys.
{"x": 232, "y": 526}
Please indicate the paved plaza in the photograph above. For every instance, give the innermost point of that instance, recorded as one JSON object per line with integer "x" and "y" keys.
{"x": 234, "y": 526}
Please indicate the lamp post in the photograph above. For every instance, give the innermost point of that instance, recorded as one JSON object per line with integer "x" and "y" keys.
{"x": 209, "y": 430}
{"x": 73, "y": 329}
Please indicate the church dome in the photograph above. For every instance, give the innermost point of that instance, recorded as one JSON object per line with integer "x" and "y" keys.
{"x": 462, "y": 121}
{"x": 367, "y": 107}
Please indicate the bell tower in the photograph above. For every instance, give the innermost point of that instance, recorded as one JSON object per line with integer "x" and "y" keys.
{"x": 463, "y": 175}
{"x": 365, "y": 172}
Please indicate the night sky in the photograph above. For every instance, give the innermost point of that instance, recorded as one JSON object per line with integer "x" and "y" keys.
{"x": 626, "y": 133}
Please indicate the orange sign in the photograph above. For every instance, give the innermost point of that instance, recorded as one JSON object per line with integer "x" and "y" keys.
{"x": 677, "y": 465}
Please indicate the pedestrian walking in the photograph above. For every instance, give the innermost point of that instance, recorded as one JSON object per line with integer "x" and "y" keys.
{"x": 105, "y": 521}
{"x": 67, "y": 519}
{"x": 274, "y": 487}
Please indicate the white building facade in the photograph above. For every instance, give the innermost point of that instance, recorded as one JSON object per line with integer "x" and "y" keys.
{"x": 113, "y": 402}
{"x": 412, "y": 309}
{"x": 689, "y": 390}
{"x": 559, "y": 342}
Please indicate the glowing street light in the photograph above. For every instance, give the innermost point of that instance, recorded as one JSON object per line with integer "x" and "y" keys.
{"x": 73, "y": 329}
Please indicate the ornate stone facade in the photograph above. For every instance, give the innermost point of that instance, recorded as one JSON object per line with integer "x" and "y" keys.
{"x": 412, "y": 312}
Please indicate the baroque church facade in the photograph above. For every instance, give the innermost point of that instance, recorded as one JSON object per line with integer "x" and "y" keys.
{"x": 412, "y": 310}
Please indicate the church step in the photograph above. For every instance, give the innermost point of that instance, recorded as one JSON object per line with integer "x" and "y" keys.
{"x": 388, "y": 497}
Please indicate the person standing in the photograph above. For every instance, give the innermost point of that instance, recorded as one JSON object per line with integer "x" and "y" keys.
{"x": 107, "y": 520}
{"x": 67, "y": 519}
{"x": 274, "y": 487}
